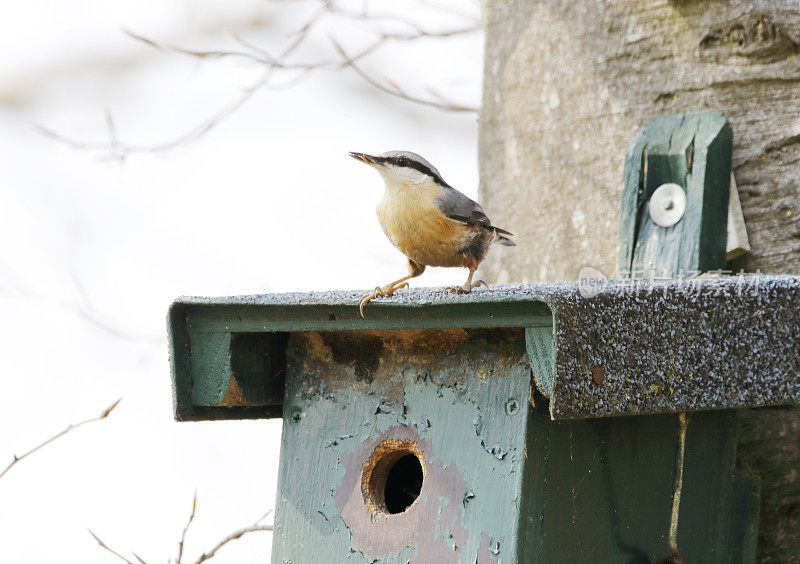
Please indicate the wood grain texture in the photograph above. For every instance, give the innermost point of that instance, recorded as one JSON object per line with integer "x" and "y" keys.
{"x": 597, "y": 490}
{"x": 566, "y": 86}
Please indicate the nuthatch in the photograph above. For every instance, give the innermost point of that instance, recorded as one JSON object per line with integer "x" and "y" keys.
{"x": 429, "y": 221}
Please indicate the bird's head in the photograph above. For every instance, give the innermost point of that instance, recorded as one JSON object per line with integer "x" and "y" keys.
{"x": 401, "y": 169}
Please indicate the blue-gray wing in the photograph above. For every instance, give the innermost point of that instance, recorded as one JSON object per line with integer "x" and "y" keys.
{"x": 457, "y": 206}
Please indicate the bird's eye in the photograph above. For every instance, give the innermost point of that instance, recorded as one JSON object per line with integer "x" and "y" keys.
{"x": 402, "y": 161}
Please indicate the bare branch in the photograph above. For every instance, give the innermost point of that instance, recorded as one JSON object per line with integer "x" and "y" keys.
{"x": 259, "y": 57}
{"x": 112, "y": 551}
{"x": 450, "y": 10}
{"x": 69, "y": 428}
{"x": 255, "y": 527}
{"x": 391, "y": 87}
{"x": 120, "y": 151}
{"x": 232, "y": 537}
{"x": 417, "y": 30}
{"x": 186, "y": 528}
{"x": 141, "y": 38}
{"x": 282, "y": 62}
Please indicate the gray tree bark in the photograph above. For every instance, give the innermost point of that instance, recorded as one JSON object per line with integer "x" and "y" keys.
{"x": 568, "y": 83}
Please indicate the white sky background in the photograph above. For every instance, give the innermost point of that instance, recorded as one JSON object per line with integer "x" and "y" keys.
{"x": 94, "y": 250}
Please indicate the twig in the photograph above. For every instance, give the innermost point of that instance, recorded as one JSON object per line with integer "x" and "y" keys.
{"x": 112, "y": 551}
{"x": 69, "y": 428}
{"x": 390, "y": 87}
{"x": 120, "y": 151}
{"x": 366, "y": 15}
{"x": 186, "y": 528}
{"x": 255, "y": 527}
{"x": 450, "y": 10}
{"x": 272, "y": 63}
{"x": 260, "y": 56}
{"x": 232, "y": 537}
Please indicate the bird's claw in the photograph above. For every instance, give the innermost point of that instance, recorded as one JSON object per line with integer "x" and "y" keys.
{"x": 379, "y": 292}
{"x": 466, "y": 288}
{"x": 367, "y": 297}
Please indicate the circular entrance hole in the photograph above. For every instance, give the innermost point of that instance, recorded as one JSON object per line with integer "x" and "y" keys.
{"x": 403, "y": 484}
{"x": 392, "y": 478}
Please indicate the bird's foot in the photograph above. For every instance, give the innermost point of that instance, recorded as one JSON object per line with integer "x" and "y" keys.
{"x": 466, "y": 288}
{"x": 379, "y": 292}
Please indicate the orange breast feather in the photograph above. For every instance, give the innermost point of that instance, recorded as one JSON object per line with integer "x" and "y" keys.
{"x": 414, "y": 225}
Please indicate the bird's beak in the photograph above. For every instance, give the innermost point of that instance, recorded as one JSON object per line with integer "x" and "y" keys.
{"x": 369, "y": 159}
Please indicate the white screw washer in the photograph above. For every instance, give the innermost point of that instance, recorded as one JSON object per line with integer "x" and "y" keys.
{"x": 667, "y": 205}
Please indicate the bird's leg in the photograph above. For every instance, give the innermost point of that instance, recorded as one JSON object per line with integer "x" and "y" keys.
{"x": 414, "y": 269}
{"x": 468, "y": 285}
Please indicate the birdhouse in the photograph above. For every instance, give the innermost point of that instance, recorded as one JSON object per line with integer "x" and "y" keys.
{"x": 490, "y": 426}
{"x": 592, "y": 421}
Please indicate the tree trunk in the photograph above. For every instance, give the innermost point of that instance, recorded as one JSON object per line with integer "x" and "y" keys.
{"x": 568, "y": 83}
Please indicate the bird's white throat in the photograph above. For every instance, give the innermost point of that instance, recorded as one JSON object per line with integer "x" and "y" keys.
{"x": 399, "y": 179}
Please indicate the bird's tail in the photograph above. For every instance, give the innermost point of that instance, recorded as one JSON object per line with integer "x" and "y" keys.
{"x": 500, "y": 236}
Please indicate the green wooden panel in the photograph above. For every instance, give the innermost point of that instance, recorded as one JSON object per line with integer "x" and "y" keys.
{"x": 693, "y": 151}
{"x": 597, "y": 490}
{"x": 713, "y": 519}
{"x": 743, "y": 538}
{"x": 542, "y": 354}
{"x": 719, "y": 506}
{"x": 461, "y": 397}
{"x": 602, "y": 490}
{"x": 249, "y": 319}
{"x": 258, "y": 366}
{"x": 211, "y": 373}
{"x": 707, "y": 494}
{"x": 237, "y": 355}
{"x": 237, "y": 369}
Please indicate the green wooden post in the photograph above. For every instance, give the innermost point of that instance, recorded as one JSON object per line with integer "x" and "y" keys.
{"x": 713, "y": 517}
{"x": 646, "y": 488}
{"x": 693, "y": 151}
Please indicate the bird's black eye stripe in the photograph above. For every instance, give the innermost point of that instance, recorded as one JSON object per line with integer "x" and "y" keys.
{"x": 412, "y": 163}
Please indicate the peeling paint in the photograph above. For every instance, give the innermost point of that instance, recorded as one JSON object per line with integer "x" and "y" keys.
{"x": 380, "y": 535}
{"x": 415, "y": 403}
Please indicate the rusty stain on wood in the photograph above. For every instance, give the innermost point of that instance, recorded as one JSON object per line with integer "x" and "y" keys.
{"x": 234, "y": 396}
{"x": 358, "y": 358}
{"x": 597, "y": 375}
